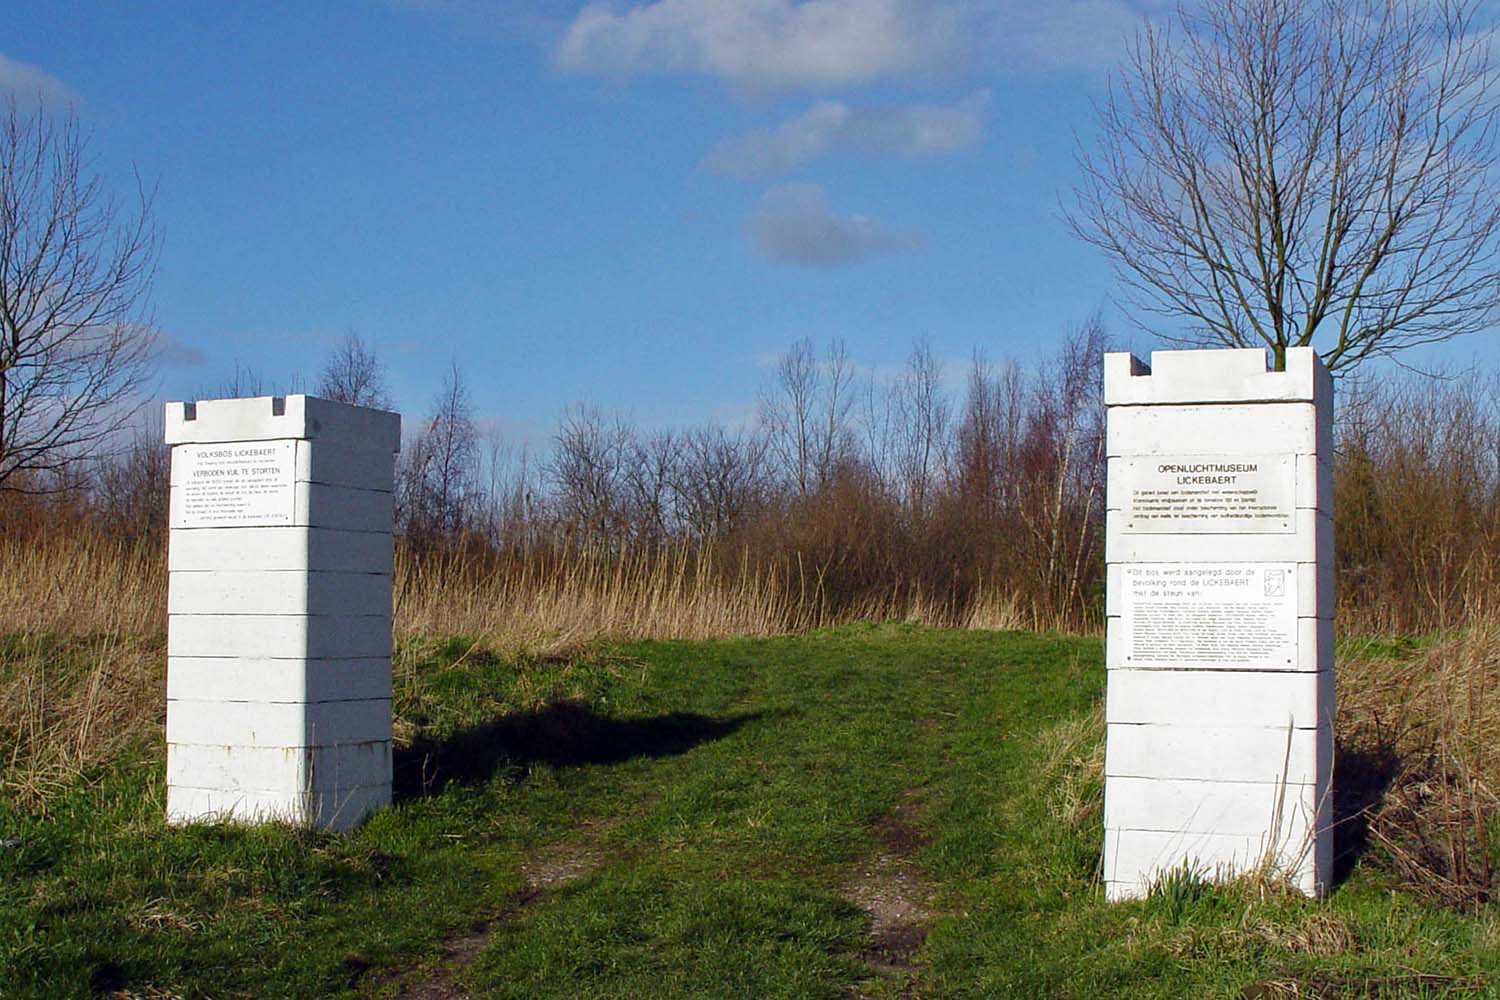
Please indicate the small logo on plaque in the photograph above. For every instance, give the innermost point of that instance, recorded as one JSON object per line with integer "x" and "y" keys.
{"x": 1275, "y": 582}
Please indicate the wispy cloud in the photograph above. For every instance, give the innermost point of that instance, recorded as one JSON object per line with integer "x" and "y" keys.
{"x": 174, "y": 350}
{"x": 795, "y": 225}
{"x": 809, "y": 44}
{"x": 831, "y": 128}
{"x": 764, "y": 44}
{"x": 30, "y": 83}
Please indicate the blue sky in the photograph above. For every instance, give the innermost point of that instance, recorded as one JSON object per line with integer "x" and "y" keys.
{"x": 630, "y": 203}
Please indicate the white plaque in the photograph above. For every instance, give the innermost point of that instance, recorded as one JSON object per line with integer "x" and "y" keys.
{"x": 1209, "y": 615}
{"x": 249, "y": 484}
{"x": 1209, "y": 494}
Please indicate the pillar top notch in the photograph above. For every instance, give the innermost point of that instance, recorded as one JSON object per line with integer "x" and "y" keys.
{"x": 1219, "y": 375}
{"x": 271, "y": 418}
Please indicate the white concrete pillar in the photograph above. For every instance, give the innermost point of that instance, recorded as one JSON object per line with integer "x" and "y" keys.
{"x": 279, "y": 610}
{"x": 1219, "y": 604}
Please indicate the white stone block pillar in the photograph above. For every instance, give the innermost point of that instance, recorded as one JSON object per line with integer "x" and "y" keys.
{"x": 279, "y": 610}
{"x": 1219, "y": 611}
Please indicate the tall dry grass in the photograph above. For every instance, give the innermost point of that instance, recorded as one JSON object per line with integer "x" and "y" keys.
{"x": 70, "y": 704}
{"x": 560, "y": 602}
{"x": 1417, "y": 772}
{"x": 82, "y": 583}
{"x": 77, "y": 582}
{"x": 556, "y": 606}
{"x": 82, "y": 654}
{"x": 83, "y": 647}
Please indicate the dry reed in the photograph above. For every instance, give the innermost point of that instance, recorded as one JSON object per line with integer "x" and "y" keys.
{"x": 69, "y": 705}
{"x": 1419, "y": 742}
{"x": 82, "y": 623}
{"x": 71, "y": 582}
{"x": 1073, "y": 754}
{"x": 556, "y": 607}
{"x": 560, "y": 602}
{"x": 82, "y": 657}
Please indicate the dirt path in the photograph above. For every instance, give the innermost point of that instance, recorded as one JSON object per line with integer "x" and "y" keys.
{"x": 893, "y": 891}
{"x": 546, "y": 869}
{"x": 887, "y": 885}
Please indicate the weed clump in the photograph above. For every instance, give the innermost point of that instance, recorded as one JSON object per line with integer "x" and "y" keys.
{"x": 1175, "y": 891}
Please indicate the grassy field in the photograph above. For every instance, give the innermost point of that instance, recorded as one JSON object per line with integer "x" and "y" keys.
{"x": 870, "y": 811}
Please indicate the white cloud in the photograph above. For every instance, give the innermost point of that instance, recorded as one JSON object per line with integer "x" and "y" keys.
{"x": 29, "y": 83}
{"x": 833, "y": 127}
{"x": 765, "y": 44}
{"x": 794, "y": 225}
{"x": 790, "y": 44}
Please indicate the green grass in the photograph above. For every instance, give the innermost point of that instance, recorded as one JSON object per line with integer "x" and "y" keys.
{"x": 723, "y": 794}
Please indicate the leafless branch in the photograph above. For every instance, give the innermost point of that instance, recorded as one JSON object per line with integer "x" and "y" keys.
{"x": 1281, "y": 174}
{"x": 354, "y": 374}
{"x": 75, "y": 271}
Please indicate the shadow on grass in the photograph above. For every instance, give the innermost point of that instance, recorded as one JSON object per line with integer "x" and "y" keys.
{"x": 1362, "y": 775}
{"x": 565, "y": 733}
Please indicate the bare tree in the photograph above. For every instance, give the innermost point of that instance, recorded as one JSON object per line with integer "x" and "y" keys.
{"x": 834, "y": 439}
{"x": 988, "y": 437}
{"x": 510, "y": 516}
{"x": 437, "y": 481}
{"x": 1288, "y": 173}
{"x": 721, "y": 479}
{"x": 921, "y": 426}
{"x": 805, "y": 412}
{"x": 1062, "y": 456}
{"x": 878, "y": 427}
{"x": 130, "y": 486}
{"x": 588, "y": 470}
{"x": 787, "y": 411}
{"x": 354, "y": 374}
{"x": 651, "y": 468}
{"x": 244, "y": 382}
{"x": 75, "y": 271}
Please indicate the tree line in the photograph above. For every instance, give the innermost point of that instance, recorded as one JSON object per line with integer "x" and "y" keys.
{"x": 935, "y": 484}
{"x": 908, "y": 480}
{"x": 1266, "y": 173}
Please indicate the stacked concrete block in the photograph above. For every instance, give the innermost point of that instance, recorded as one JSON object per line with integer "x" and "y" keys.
{"x": 1219, "y": 554}
{"x": 279, "y": 610}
